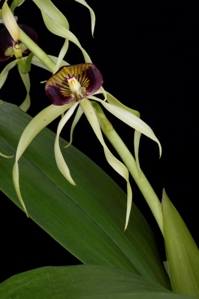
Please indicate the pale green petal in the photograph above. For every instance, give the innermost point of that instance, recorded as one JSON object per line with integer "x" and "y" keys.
{"x": 93, "y": 19}
{"x": 112, "y": 100}
{"x": 137, "y": 136}
{"x": 114, "y": 162}
{"x": 61, "y": 164}
{"x": 5, "y": 156}
{"x": 130, "y": 119}
{"x": 56, "y": 26}
{"x": 16, "y": 3}
{"x": 10, "y": 22}
{"x": 5, "y": 71}
{"x": 62, "y": 53}
{"x": 103, "y": 91}
{"x": 26, "y": 80}
{"x": 75, "y": 121}
{"x": 52, "y": 11}
{"x": 40, "y": 121}
{"x": 15, "y": 176}
{"x": 39, "y": 63}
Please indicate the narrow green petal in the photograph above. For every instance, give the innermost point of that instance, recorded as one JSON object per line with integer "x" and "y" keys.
{"x": 5, "y": 71}
{"x": 82, "y": 282}
{"x": 24, "y": 63}
{"x": 53, "y": 23}
{"x": 39, "y": 63}
{"x": 5, "y": 156}
{"x": 26, "y": 80}
{"x": 137, "y": 136}
{"x": 74, "y": 123}
{"x": 40, "y": 121}
{"x": 112, "y": 100}
{"x": 15, "y": 176}
{"x": 118, "y": 166}
{"x": 62, "y": 53}
{"x": 10, "y": 22}
{"x": 16, "y": 3}
{"x": 61, "y": 164}
{"x": 93, "y": 19}
{"x": 131, "y": 120}
{"x": 102, "y": 91}
{"x": 52, "y": 11}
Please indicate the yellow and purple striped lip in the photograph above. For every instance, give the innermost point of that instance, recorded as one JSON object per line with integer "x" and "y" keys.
{"x": 73, "y": 82}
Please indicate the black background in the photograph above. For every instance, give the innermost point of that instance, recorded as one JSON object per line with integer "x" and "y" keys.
{"x": 147, "y": 53}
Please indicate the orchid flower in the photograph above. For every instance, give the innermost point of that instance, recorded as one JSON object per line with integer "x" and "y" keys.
{"x": 11, "y": 46}
{"x": 71, "y": 87}
{"x": 74, "y": 87}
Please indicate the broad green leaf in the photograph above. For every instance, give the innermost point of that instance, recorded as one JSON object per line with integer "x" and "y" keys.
{"x": 182, "y": 252}
{"x": 96, "y": 282}
{"x": 78, "y": 282}
{"x": 86, "y": 219}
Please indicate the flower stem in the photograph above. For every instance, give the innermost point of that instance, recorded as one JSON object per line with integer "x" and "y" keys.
{"x": 137, "y": 174}
{"x": 37, "y": 51}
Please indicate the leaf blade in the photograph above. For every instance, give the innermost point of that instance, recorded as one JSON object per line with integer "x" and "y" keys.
{"x": 79, "y": 217}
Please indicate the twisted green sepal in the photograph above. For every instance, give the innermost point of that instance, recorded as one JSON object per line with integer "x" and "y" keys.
{"x": 56, "y": 23}
{"x": 38, "y": 123}
{"x": 118, "y": 166}
{"x": 92, "y": 14}
{"x": 5, "y": 156}
{"x": 16, "y": 3}
{"x": 182, "y": 252}
{"x": 126, "y": 156}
